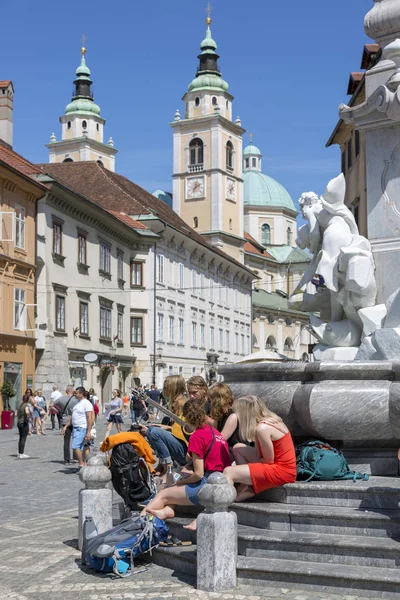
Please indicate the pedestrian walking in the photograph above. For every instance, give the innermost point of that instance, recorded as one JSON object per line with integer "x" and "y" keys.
{"x": 55, "y": 395}
{"x": 81, "y": 420}
{"x": 95, "y": 401}
{"x": 113, "y": 414}
{"x": 29, "y": 394}
{"x": 23, "y": 416}
{"x": 137, "y": 405}
{"x": 64, "y": 406}
{"x": 41, "y": 407}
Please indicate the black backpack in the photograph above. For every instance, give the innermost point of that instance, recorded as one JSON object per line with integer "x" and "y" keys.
{"x": 130, "y": 475}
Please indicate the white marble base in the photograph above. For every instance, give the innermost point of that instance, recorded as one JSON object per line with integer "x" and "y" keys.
{"x": 216, "y": 551}
{"x": 98, "y": 505}
{"x": 324, "y": 353}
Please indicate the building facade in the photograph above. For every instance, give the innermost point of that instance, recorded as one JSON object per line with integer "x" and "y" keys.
{"x": 89, "y": 260}
{"x": 19, "y": 193}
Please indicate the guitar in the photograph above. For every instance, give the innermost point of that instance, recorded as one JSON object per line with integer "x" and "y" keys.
{"x": 186, "y": 430}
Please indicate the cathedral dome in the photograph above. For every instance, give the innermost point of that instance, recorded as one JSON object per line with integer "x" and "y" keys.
{"x": 261, "y": 190}
{"x": 209, "y": 81}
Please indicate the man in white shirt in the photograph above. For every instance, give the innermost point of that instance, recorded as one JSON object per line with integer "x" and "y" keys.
{"x": 54, "y": 396}
{"x": 82, "y": 420}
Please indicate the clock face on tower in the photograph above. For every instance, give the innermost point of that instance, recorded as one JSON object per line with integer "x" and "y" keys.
{"x": 195, "y": 187}
{"x": 231, "y": 189}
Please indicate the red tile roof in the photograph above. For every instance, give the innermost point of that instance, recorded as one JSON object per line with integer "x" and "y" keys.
{"x": 254, "y": 247}
{"x": 127, "y": 219}
{"x": 115, "y": 192}
{"x": 18, "y": 163}
{"x": 5, "y": 83}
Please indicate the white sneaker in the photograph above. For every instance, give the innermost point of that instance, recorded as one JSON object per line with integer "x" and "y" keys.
{"x": 23, "y": 456}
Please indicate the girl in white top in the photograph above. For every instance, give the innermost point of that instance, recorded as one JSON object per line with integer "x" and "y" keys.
{"x": 113, "y": 412}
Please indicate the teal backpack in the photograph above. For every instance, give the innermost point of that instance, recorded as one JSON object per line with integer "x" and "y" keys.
{"x": 318, "y": 460}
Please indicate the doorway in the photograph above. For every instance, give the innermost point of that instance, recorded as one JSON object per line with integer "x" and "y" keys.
{"x": 13, "y": 375}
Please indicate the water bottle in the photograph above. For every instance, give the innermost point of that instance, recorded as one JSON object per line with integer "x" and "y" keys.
{"x": 170, "y": 477}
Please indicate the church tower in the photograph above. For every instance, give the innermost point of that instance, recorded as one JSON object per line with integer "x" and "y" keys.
{"x": 207, "y": 163}
{"x": 82, "y": 127}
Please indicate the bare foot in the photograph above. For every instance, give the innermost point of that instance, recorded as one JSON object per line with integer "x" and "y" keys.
{"x": 162, "y": 513}
{"x": 192, "y": 526}
{"x": 245, "y": 493}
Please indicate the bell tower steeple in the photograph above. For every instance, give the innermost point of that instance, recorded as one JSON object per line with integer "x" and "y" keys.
{"x": 207, "y": 169}
{"x": 82, "y": 127}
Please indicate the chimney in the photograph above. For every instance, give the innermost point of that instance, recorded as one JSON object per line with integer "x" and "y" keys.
{"x": 6, "y": 111}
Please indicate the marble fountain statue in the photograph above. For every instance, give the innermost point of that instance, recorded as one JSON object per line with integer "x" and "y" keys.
{"x": 350, "y": 395}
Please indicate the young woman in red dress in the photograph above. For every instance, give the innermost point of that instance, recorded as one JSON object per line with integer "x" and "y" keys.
{"x": 272, "y": 462}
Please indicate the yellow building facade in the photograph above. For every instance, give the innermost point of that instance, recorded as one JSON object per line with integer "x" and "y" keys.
{"x": 19, "y": 193}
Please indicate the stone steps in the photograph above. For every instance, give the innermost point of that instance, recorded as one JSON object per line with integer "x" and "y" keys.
{"x": 319, "y": 519}
{"x": 309, "y": 547}
{"x": 376, "y": 493}
{"x": 370, "y": 582}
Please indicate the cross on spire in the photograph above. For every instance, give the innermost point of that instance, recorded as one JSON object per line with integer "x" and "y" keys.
{"x": 208, "y": 11}
{"x": 83, "y": 40}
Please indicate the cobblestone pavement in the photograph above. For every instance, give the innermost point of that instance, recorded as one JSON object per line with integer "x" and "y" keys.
{"x": 38, "y": 530}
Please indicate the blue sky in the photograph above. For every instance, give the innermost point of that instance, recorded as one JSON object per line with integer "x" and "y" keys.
{"x": 287, "y": 64}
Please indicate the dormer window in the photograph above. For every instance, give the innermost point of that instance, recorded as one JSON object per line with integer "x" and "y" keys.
{"x": 84, "y": 125}
{"x": 229, "y": 155}
{"x": 197, "y": 102}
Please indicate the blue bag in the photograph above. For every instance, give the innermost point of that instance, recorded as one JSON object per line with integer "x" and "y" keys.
{"x": 114, "y": 550}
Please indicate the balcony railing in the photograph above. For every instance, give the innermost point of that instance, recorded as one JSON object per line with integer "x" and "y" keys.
{"x": 196, "y": 168}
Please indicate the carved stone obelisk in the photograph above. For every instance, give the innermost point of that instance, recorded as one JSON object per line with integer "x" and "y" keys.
{"x": 379, "y": 118}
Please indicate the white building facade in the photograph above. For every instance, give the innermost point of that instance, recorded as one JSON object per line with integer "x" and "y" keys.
{"x": 86, "y": 259}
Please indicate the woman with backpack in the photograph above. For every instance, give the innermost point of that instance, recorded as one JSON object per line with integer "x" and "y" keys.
{"x": 209, "y": 452}
{"x": 272, "y": 462}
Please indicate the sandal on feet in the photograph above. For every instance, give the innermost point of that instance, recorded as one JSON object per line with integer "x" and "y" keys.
{"x": 177, "y": 542}
{"x": 168, "y": 543}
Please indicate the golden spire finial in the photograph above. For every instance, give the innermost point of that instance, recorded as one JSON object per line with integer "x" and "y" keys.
{"x": 208, "y": 11}
{"x": 251, "y": 138}
{"x": 83, "y": 49}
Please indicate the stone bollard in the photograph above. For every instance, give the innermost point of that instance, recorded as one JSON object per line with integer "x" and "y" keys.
{"x": 217, "y": 545}
{"x": 96, "y": 499}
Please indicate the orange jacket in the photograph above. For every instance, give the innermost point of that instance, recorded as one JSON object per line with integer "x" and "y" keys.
{"x": 138, "y": 442}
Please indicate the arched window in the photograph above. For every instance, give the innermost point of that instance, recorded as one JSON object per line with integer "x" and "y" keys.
{"x": 288, "y": 345}
{"x": 270, "y": 344}
{"x": 265, "y": 234}
{"x": 254, "y": 341}
{"x": 289, "y": 236}
{"x": 68, "y": 160}
{"x": 229, "y": 155}
{"x": 69, "y": 125}
{"x": 305, "y": 358}
{"x": 99, "y": 162}
{"x": 195, "y": 222}
{"x": 196, "y": 147}
{"x": 84, "y": 125}
{"x": 197, "y": 101}
{"x": 215, "y": 101}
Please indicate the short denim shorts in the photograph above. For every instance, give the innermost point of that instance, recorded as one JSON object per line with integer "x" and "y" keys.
{"x": 78, "y": 438}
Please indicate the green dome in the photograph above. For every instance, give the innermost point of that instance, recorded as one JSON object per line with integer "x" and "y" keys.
{"x": 82, "y": 105}
{"x": 251, "y": 149}
{"x": 208, "y": 42}
{"x": 208, "y": 81}
{"x": 83, "y": 69}
{"x": 261, "y": 190}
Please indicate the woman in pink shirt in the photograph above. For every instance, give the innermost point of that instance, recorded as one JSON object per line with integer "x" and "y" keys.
{"x": 209, "y": 452}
